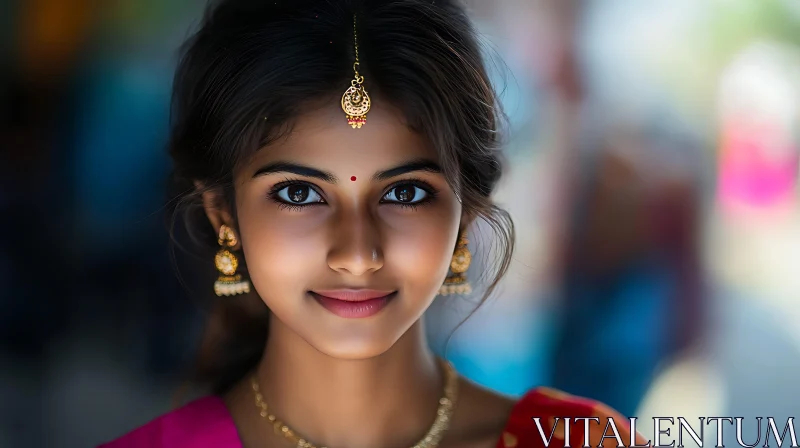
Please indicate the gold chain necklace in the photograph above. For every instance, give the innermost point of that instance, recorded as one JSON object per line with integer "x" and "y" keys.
{"x": 430, "y": 440}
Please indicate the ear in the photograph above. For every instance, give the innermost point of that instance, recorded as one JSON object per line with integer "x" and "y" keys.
{"x": 217, "y": 209}
{"x": 466, "y": 220}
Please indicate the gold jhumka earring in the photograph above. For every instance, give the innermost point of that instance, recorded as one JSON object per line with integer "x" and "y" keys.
{"x": 456, "y": 281}
{"x": 229, "y": 282}
{"x": 355, "y": 101}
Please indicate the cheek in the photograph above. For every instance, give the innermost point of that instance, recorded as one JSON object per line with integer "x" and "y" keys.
{"x": 274, "y": 253}
{"x": 418, "y": 248}
{"x": 278, "y": 248}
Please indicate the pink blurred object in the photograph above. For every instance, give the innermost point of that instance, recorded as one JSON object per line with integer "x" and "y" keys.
{"x": 757, "y": 168}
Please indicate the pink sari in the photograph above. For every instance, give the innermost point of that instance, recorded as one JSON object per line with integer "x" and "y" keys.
{"x": 203, "y": 423}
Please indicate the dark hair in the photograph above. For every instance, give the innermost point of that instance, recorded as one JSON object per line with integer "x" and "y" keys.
{"x": 255, "y": 65}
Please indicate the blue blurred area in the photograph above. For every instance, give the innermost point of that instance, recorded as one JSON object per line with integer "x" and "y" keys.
{"x": 604, "y": 335}
{"x": 120, "y": 163}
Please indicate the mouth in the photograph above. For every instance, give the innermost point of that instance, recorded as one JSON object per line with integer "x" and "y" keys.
{"x": 353, "y": 303}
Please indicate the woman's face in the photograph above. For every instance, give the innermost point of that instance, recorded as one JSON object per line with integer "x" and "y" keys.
{"x": 332, "y": 217}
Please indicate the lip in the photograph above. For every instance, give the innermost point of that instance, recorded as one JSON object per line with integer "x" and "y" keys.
{"x": 353, "y": 304}
{"x": 352, "y": 295}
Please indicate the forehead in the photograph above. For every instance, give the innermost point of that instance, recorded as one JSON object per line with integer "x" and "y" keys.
{"x": 322, "y": 138}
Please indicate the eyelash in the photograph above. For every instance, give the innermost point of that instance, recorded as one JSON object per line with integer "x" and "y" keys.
{"x": 432, "y": 193}
{"x": 416, "y": 182}
{"x": 273, "y": 195}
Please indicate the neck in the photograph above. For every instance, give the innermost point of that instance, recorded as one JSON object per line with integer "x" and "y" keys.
{"x": 353, "y": 403}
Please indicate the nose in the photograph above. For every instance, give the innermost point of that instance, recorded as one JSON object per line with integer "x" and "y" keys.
{"x": 356, "y": 245}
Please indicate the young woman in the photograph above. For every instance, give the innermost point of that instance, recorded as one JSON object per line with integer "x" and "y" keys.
{"x": 340, "y": 151}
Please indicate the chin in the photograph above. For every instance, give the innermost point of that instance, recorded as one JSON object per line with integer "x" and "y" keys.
{"x": 355, "y": 345}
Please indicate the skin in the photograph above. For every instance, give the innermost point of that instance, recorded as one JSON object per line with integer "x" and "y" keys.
{"x": 362, "y": 382}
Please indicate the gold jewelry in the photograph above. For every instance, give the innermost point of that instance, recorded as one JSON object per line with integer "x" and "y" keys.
{"x": 229, "y": 282}
{"x": 456, "y": 281}
{"x": 355, "y": 101}
{"x": 434, "y": 435}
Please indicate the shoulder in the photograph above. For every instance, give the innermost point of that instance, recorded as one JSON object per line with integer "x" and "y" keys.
{"x": 203, "y": 423}
{"x": 544, "y": 413}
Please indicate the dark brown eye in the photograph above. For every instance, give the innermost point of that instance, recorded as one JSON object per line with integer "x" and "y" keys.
{"x": 405, "y": 194}
{"x": 298, "y": 194}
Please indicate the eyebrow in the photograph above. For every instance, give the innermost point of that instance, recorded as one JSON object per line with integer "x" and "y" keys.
{"x": 414, "y": 165}
{"x": 307, "y": 171}
{"x": 300, "y": 170}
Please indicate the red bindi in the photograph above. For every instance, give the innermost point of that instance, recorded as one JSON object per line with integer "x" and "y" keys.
{"x": 353, "y": 178}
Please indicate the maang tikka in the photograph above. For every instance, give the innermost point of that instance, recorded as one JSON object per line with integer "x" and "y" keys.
{"x": 355, "y": 101}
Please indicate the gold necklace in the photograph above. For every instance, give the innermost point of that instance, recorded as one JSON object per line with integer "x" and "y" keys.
{"x": 431, "y": 439}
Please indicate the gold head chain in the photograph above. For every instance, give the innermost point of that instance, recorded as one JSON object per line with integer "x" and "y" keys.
{"x": 355, "y": 101}
{"x": 447, "y": 404}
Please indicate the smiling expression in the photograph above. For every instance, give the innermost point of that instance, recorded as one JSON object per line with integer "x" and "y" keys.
{"x": 307, "y": 227}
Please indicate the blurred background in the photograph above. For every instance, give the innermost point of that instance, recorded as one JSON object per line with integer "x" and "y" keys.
{"x": 653, "y": 181}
